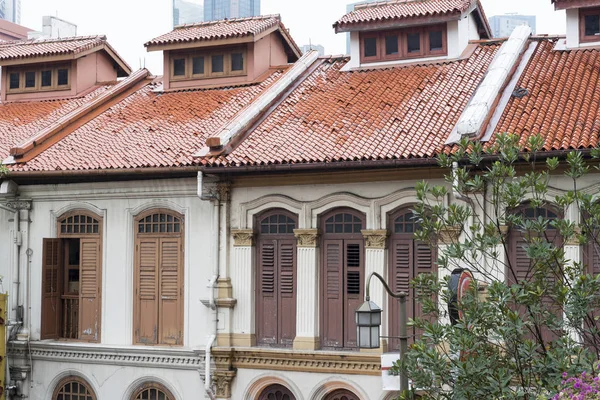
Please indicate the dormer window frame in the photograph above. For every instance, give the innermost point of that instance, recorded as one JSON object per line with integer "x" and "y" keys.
{"x": 583, "y": 13}
{"x": 209, "y": 57}
{"x": 424, "y": 32}
{"x": 37, "y": 70}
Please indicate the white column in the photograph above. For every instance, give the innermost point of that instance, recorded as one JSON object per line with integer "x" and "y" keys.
{"x": 375, "y": 261}
{"x": 573, "y": 253}
{"x": 242, "y": 280}
{"x": 307, "y": 300}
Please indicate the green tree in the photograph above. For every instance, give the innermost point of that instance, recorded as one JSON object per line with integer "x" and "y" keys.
{"x": 516, "y": 339}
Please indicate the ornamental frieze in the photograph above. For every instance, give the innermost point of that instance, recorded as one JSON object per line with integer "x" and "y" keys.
{"x": 308, "y": 238}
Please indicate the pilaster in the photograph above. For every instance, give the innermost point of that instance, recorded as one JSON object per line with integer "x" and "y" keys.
{"x": 376, "y": 261}
{"x": 242, "y": 279}
{"x": 307, "y": 311}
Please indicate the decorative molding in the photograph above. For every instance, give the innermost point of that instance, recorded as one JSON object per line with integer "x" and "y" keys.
{"x": 263, "y": 381}
{"x": 222, "y": 381}
{"x": 450, "y": 235}
{"x": 19, "y": 204}
{"x": 504, "y": 230}
{"x": 307, "y": 237}
{"x": 243, "y": 237}
{"x": 226, "y": 303}
{"x": 574, "y": 240}
{"x": 342, "y": 199}
{"x": 224, "y": 191}
{"x": 317, "y": 362}
{"x": 88, "y": 354}
{"x": 225, "y": 294}
{"x": 157, "y": 203}
{"x": 375, "y": 239}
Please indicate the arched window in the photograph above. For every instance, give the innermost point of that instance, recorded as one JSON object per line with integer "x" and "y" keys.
{"x": 521, "y": 268}
{"x": 276, "y": 279}
{"x": 72, "y": 278}
{"x": 73, "y": 388}
{"x": 341, "y": 394}
{"x": 342, "y": 277}
{"x": 276, "y": 392}
{"x": 158, "y": 303}
{"x": 152, "y": 391}
{"x": 407, "y": 259}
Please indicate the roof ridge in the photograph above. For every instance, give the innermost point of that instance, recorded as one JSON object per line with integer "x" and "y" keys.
{"x": 362, "y": 6}
{"x": 53, "y": 40}
{"x": 220, "y": 21}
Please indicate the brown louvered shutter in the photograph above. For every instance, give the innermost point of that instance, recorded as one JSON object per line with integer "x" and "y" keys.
{"x": 266, "y": 327}
{"x": 51, "y": 302}
{"x": 424, "y": 263}
{"x": 354, "y": 284}
{"x": 401, "y": 272}
{"x": 332, "y": 317}
{"x": 170, "y": 292}
{"x": 146, "y": 329}
{"x": 89, "y": 293}
{"x": 287, "y": 291}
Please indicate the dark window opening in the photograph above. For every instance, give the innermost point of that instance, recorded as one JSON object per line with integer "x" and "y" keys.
{"x": 436, "y": 41}
{"x": 353, "y": 284}
{"x": 413, "y": 41}
{"x": 343, "y": 223}
{"x": 391, "y": 45}
{"x": 370, "y": 45}
{"x": 592, "y": 25}
{"x": 198, "y": 66}
{"x": 179, "y": 67}
{"x": 237, "y": 62}
{"x": 277, "y": 224}
{"x": 63, "y": 76}
{"x": 218, "y": 64}
{"x": 46, "y": 78}
{"x": 30, "y": 79}
{"x": 15, "y": 80}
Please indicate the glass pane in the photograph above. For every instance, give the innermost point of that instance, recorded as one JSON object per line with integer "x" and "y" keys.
{"x": 63, "y": 76}
{"x": 179, "y": 67}
{"x": 14, "y": 80}
{"x": 237, "y": 62}
{"x": 30, "y": 79}
{"x": 414, "y": 42}
{"x": 435, "y": 41}
{"x": 391, "y": 45}
{"x": 592, "y": 25}
{"x": 198, "y": 65}
{"x": 217, "y": 63}
{"x": 46, "y": 78}
{"x": 370, "y": 47}
{"x": 339, "y": 228}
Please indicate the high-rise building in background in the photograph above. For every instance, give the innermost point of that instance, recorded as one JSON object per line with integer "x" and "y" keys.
{"x": 221, "y": 9}
{"x": 503, "y": 25}
{"x": 187, "y": 11}
{"x": 350, "y": 8}
{"x": 307, "y": 47}
{"x": 10, "y": 10}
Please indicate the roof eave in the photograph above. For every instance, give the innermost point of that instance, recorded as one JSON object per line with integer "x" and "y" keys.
{"x": 395, "y": 23}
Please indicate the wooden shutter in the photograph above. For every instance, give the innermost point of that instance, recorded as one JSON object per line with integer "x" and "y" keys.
{"x": 424, "y": 263}
{"x": 51, "y": 288}
{"x": 354, "y": 283}
{"x": 401, "y": 273}
{"x": 171, "y": 290}
{"x": 266, "y": 327}
{"x": 89, "y": 292}
{"x": 286, "y": 307}
{"x": 146, "y": 310}
{"x": 332, "y": 317}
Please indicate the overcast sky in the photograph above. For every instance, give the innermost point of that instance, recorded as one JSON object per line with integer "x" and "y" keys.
{"x": 128, "y": 24}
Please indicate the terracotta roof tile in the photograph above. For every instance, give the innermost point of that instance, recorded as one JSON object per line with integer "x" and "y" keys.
{"x": 403, "y": 9}
{"x": 212, "y": 30}
{"x": 393, "y": 113}
{"x": 149, "y": 128}
{"x": 49, "y": 47}
{"x": 563, "y": 100}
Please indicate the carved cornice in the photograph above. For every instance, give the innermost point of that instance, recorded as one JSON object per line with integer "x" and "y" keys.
{"x": 450, "y": 235}
{"x": 224, "y": 191}
{"x": 375, "y": 239}
{"x": 243, "y": 237}
{"x": 19, "y": 204}
{"x": 317, "y": 362}
{"x": 222, "y": 381}
{"x": 187, "y": 360}
{"x": 308, "y": 238}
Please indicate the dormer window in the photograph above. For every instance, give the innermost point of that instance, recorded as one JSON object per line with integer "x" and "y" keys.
{"x": 589, "y": 25}
{"x": 38, "y": 78}
{"x": 400, "y": 44}
{"x": 208, "y": 64}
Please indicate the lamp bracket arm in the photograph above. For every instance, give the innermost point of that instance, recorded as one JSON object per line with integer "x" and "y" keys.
{"x": 400, "y": 295}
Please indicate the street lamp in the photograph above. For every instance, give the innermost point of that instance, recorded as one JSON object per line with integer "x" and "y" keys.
{"x": 368, "y": 322}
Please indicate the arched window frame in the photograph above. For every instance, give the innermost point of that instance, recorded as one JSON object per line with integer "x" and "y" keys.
{"x": 153, "y": 385}
{"x": 78, "y": 380}
{"x": 78, "y": 213}
{"x": 338, "y": 393}
{"x": 274, "y": 388}
{"x": 280, "y": 247}
{"x": 159, "y": 211}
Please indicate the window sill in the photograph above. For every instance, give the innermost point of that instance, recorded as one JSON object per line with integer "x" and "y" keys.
{"x": 206, "y": 78}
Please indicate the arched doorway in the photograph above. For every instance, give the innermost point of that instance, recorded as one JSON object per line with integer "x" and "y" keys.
{"x": 341, "y": 394}
{"x": 73, "y": 388}
{"x": 276, "y": 279}
{"x": 342, "y": 277}
{"x": 158, "y": 302}
{"x": 152, "y": 391}
{"x": 407, "y": 259}
{"x": 276, "y": 392}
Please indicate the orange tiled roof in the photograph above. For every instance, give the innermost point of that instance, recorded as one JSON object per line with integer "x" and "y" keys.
{"x": 562, "y": 101}
{"x": 224, "y": 29}
{"x": 395, "y": 113}
{"x": 49, "y": 47}
{"x": 403, "y": 9}
{"x": 149, "y": 128}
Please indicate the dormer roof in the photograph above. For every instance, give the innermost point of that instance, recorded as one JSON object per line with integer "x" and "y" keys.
{"x": 567, "y": 4}
{"x": 44, "y": 50}
{"x": 408, "y": 12}
{"x": 211, "y": 33}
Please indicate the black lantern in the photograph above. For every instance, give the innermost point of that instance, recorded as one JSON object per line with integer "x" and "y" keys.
{"x": 368, "y": 322}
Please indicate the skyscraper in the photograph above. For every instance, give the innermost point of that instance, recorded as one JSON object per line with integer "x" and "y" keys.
{"x": 187, "y": 11}
{"x": 349, "y": 8}
{"x": 221, "y": 9}
{"x": 10, "y": 10}
{"x": 503, "y": 25}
